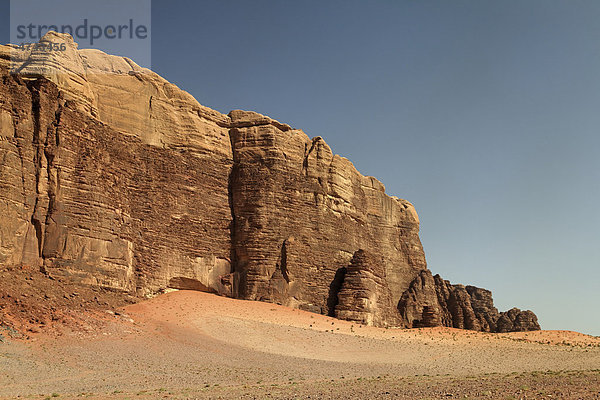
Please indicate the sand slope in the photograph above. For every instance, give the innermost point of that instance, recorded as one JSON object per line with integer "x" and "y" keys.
{"x": 185, "y": 341}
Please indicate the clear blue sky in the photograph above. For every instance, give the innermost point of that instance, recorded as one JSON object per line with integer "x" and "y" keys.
{"x": 484, "y": 114}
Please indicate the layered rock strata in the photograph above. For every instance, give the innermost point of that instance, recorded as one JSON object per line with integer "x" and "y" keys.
{"x": 300, "y": 213}
{"x": 110, "y": 174}
{"x": 115, "y": 177}
{"x": 365, "y": 295}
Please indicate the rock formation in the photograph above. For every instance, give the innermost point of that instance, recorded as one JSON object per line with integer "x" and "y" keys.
{"x": 515, "y": 320}
{"x": 114, "y": 177}
{"x": 433, "y": 301}
{"x": 300, "y": 212}
{"x": 365, "y": 295}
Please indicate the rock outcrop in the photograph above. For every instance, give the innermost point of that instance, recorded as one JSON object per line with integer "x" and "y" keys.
{"x": 433, "y": 301}
{"x": 515, "y": 320}
{"x": 114, "y": 177}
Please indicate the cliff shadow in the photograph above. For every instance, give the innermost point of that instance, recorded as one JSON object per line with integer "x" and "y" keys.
{"x": 334, "y": 288}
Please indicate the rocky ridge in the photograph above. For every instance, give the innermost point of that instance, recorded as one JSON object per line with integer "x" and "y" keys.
{"x": 432, "y": 301}
{"x": 113, "y": 177}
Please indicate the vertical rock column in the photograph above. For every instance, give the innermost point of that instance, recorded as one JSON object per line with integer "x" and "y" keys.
{"x": 29, "y": 115}
{"x": 365, "y": 296}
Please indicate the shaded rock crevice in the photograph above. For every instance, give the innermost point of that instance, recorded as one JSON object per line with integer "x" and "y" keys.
{"x": 334, "y": 289}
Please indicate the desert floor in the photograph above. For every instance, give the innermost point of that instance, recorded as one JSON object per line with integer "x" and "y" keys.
{"x": 197, "y": 345}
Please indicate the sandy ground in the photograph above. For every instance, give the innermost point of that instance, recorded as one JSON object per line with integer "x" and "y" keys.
{"x": 196, "y": 345}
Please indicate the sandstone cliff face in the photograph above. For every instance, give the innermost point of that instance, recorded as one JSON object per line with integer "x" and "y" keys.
{"x": 112, "y": 176}
{"x": 130, "y": 199}
{"x": 300, "y": 212}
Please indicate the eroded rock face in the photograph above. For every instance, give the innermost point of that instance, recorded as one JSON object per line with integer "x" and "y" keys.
{"x": 116, "y": 177}
{"x": 515, "y": 320}
{"x": 300, "y": 209}
{"x": 365, "y": 296}
{"x": 87, "y": 195}
{"x": 483, "y": 307}
{"x": 433, "y": 301}
{"x": 421, "y": 296}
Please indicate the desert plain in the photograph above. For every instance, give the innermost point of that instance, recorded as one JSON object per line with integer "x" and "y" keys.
{"x": 195, "y": 345}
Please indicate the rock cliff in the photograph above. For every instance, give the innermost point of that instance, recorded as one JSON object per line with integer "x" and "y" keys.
{"x": 112, "y": 176}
